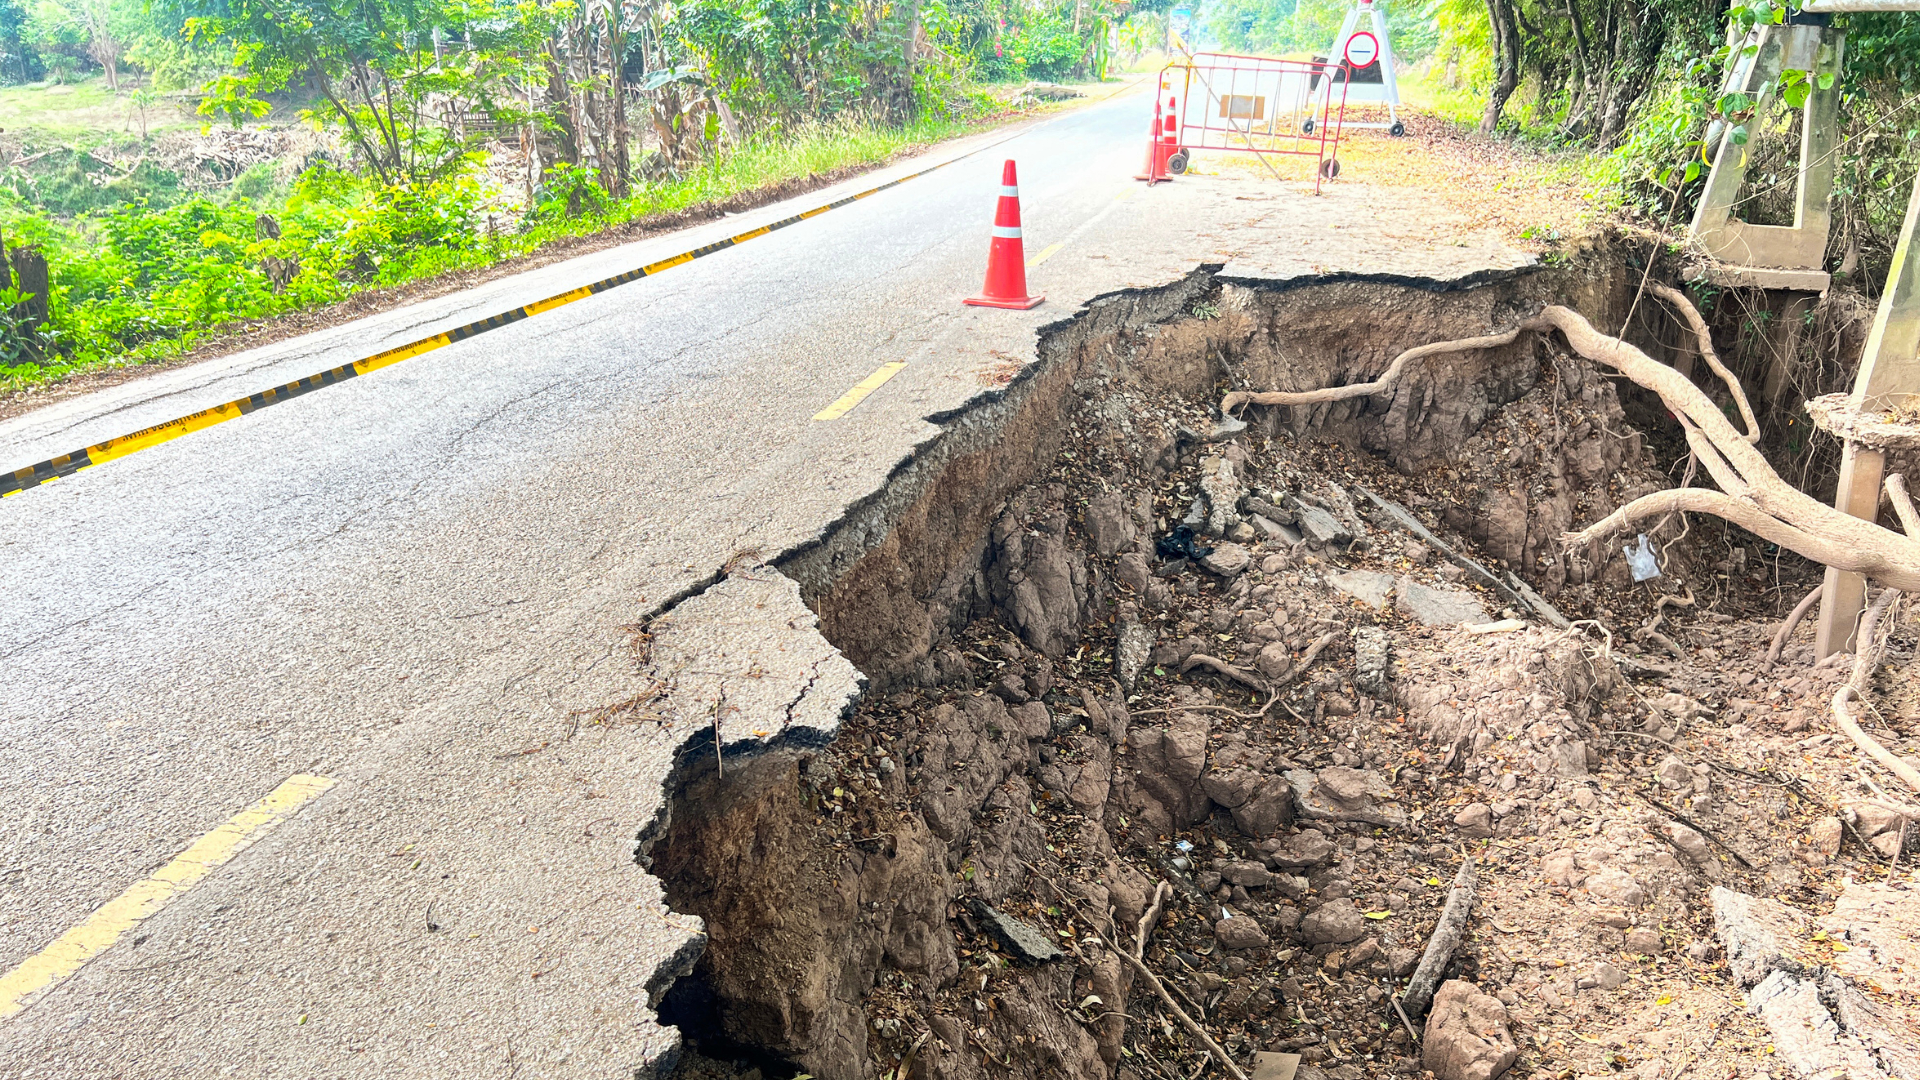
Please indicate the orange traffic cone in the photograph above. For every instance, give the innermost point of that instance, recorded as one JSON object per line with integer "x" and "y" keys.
{"x": 1155, "y": 170}
{"x": 1007, "y": 258}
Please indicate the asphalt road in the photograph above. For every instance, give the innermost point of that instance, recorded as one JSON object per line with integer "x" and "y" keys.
{"x": 418, "y": 584}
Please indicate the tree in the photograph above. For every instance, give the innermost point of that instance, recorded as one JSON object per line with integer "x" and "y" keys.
{"x": 379, "y": 68}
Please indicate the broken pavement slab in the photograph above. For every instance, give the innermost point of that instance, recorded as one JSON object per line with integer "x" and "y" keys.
{"x": 750, "y": 650}
{"x": 1022, "y": 938}
{"x": 1370, "y": 587}
{"x": 1431, "y": 605}
{"x": 1822, "y": 1023}
{"x": 1759, "y": 935}
{"x": 1877, "y": 928}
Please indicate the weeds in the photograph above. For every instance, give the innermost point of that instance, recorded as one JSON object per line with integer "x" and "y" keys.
{"x": 149, "y": 278}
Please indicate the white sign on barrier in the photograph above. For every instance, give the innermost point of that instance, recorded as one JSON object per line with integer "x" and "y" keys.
{"x": 1362, "y": 49}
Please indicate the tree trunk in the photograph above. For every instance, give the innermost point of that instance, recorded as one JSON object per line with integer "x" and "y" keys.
{"x": 31, "y": 278}
{"x": 1506, "y": 40}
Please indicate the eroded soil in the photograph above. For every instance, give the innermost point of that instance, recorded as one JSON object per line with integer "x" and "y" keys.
{"x": 1293, "y": 723}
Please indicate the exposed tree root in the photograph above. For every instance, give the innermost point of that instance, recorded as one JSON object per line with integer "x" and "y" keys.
{"x": 1447, "y": 935}
{"x": 1856, "y": 686}
{"x": 1751, "y": 494}
{"x": 1799, "y": 612}
{"x": 1704, "y": 342}
{"x": 1238, "y": 398}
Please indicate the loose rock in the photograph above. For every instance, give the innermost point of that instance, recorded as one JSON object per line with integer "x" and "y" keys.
{"x": 1467, "y": 1036}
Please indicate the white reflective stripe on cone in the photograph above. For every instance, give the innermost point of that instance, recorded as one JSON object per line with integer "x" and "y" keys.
{"x": 1007, "y": 232}
{"x": 1010, "y": 189}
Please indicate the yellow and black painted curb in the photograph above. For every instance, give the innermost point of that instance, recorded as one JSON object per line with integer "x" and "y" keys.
{"x": 18, "y": 480}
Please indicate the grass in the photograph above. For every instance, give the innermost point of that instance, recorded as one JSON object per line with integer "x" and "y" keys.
{"x": 83, "y": 111}
{"x": 109, "y": 321}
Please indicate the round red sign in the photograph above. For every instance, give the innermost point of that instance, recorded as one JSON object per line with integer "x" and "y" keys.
{"x": 1362, "y": 49}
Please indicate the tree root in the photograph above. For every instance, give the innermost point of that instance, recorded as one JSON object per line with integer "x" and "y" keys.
{"x": 1799, "y": 612}
{"x": 1856, "y": 686}
{"x": 1651, "y": 631}
{"x": 1752, "y": 495}
{"x": 1221, "y": 667}
{"x": 1387, "y": 378}
{"x": 1447, "y": 935}
{"x": 1704, "y": 342}
{"x": 1896, "y": 486}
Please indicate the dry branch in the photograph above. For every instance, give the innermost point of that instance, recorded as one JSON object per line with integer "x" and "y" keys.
{"x": 1447, "y": 935}
{"x": 1162, "y": 892}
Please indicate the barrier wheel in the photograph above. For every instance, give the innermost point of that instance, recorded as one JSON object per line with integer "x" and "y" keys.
{"x": 1307, "y": 127}
{"x": 1397, "y": 130}
{"x": 1177, "y": 164}
{"x": 1330, "y": 168}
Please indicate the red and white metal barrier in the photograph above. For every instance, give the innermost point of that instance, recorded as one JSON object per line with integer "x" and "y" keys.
{"x": 1250, "y": 105}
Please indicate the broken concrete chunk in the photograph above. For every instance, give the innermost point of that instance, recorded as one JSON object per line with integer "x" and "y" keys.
{"x": 1467, "y": 1037}
{"x": 1131, "y": 654}
{"x": 1256, "y": 505}
{"x": 1221, "y": 486}
{"x": 1320, "y": 527}
{"x": 1881, "y": 927}
{"x": 1227, "y": 560}
{"x": 1023, "y": 939}
{"x": 1274, "y": 531}
{"x": 1367, "y": 586}
{"x": 1335, "y": 922}
{"x": 1372, "y": 659}
{"x": 1343, "y": 794}
{"x": 1432, "y": 606}
{"x": 1757, "y": 934}
{"x": 1227, "y": 427}
{"x": 1805, "y": 1034}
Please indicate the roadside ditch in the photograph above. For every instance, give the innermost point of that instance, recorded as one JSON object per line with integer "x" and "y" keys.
{"x": 1223, "y": 694}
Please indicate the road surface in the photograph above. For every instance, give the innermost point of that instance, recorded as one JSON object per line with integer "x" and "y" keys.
{"x": 417, "y": 586}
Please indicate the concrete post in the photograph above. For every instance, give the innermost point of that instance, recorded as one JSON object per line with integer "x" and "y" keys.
{"x": 1788, "y": 257}
{"x": 1889, "y": 370}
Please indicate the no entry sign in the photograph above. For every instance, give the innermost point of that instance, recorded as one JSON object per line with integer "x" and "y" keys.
{"x": 1362, "y": 49}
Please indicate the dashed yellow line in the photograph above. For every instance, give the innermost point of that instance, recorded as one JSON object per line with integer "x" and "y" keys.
{"x": 1045, "y": 254}
{"x": 46, "y": 968}
{"x": 859, "y": 393}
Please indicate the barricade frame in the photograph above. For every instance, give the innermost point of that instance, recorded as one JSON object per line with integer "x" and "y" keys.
{"x": 1241, "y": 102}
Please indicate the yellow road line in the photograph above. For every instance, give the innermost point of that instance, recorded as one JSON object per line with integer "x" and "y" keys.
{"x": 74, "y": 948}
{"x": 1045, "y": 254}
{"x": 859, "y": 393}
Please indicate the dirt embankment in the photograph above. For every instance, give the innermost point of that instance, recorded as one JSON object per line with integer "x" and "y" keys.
{"x": 1142, "y": 675}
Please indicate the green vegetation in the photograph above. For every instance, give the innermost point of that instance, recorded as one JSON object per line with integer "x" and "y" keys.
{"x": 184, "y": 164}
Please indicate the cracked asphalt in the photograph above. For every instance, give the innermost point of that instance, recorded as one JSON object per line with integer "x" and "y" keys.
{"x": 421, "y": 582}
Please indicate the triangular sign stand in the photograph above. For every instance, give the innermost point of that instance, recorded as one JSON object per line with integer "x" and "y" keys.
{"x": 1374, "y": 82}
